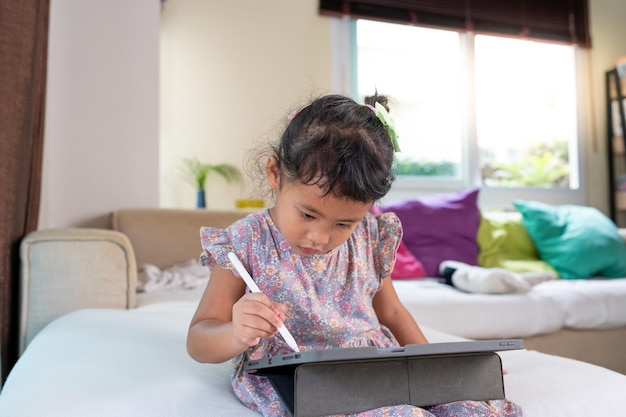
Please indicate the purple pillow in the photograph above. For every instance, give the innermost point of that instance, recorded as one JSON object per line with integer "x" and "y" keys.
{"x": 440, "y": 227}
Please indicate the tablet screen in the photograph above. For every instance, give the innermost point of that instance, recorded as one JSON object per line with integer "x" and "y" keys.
{"x": 293, "y": 359}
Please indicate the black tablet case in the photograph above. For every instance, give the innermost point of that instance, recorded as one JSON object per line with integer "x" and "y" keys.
{"x": 350, "y": 386}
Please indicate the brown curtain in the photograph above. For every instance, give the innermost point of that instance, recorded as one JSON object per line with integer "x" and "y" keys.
{"x": 23, "y": 62}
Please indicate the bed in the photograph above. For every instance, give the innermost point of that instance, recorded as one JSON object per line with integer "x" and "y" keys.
{"x": 93, "y": 346}
{"x": 107, "y": 362}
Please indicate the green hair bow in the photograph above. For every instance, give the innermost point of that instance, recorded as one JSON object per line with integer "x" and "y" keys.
{"x": 389, "y": 124}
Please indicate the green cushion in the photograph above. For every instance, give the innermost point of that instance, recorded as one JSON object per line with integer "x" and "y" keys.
{"x": 578, "y": 241}
{"x": 505, "y": 243}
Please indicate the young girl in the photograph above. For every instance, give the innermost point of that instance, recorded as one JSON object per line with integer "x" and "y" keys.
{"x": 320, "y": 257}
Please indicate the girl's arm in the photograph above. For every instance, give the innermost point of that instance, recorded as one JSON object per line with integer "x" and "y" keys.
{"x": 228, "y": 321}
{"x": 395, "y": 316}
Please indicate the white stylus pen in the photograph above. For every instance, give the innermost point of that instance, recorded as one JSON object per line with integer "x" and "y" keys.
{"x": 254, "y": 288}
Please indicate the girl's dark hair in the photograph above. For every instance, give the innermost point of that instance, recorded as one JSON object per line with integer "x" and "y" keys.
{"x": 377, "y": 98}
{"x": 339, "y": 145}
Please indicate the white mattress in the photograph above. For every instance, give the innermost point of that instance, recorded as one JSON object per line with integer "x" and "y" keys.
{"x": 589, "y": 304}
{"x": 479, "y": 316}
{"x": 134, "y": 363}
{"x": 548, "y": 307}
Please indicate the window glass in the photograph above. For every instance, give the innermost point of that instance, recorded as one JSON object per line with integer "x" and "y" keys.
{"x": 420, "y": 71}
{"x": 526, "y": 113}
{"x": 473, "y": 110}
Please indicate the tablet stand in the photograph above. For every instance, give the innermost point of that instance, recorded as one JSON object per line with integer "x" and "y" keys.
{"x": 352, "y": 386}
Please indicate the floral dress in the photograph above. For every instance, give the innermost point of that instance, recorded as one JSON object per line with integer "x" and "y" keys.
{"x": 328, "y": 299}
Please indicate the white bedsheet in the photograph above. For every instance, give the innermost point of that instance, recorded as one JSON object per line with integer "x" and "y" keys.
{"x": 134, "y": 363}
{"x": 479, "y": 316}
{"x": 547, "y": 307}
{"x": 590, "y": 303}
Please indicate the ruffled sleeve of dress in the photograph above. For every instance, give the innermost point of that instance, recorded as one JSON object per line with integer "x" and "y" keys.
{"x": 238, "y": 238}
{"x": 385, "y": 242}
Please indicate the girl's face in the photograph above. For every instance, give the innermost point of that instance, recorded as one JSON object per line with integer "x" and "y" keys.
{"x": 312, "y": 223}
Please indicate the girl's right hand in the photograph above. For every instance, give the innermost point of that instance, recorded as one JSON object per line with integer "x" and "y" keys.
{"x": 255, "y": 317}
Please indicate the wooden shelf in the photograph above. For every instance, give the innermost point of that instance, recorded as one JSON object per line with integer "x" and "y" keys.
{"x": 613, "y": 93}
{"x": 616, "y": 127}
{"x": 620, "y": 200}
{"x": 618, "y": 145}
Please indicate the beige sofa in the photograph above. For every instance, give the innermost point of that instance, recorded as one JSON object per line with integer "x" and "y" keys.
{"x": 92, "y": 346}
{"x": 165, "y": 237}
{"x": 54, "y": 261}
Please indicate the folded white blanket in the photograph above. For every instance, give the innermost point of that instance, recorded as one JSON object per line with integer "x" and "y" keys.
{"x": 481, "y": 280}
{"x": 187, "y": 275}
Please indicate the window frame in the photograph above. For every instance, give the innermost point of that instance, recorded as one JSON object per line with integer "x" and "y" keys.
{"x": 344, "y": 80}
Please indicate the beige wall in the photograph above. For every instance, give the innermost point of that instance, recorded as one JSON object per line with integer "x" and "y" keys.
{"x": 228, "y": 72}
{"x": 609, "y": 43}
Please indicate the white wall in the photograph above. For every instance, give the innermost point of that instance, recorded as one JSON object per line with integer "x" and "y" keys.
{"x": 102, "y": 112}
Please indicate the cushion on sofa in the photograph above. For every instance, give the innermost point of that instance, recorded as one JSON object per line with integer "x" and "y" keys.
{"x": 505, "y": 243}
{"x": 440, "y": 227}
{"x": 577, "y": 241}
{"x": 407, "y": 266}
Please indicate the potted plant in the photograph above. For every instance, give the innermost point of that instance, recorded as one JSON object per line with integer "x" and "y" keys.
{"x": 196, "y": 173}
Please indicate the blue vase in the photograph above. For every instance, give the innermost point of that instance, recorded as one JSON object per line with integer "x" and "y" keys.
{"x": 200, "y": 200}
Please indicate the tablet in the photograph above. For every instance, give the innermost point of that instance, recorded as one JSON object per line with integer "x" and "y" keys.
{"x": 317, "y": 383}
{"x": 372, "y": 353}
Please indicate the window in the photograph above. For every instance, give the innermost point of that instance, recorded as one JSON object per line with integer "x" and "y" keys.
{"x": 526, "y": 113}
{"x": 474, "y": 110}
{"x": 420, "y": 70}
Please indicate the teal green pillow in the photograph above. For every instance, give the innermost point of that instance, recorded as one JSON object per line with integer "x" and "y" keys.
{"x": 504, "y": 243}
{"x": 578, "y": 241}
